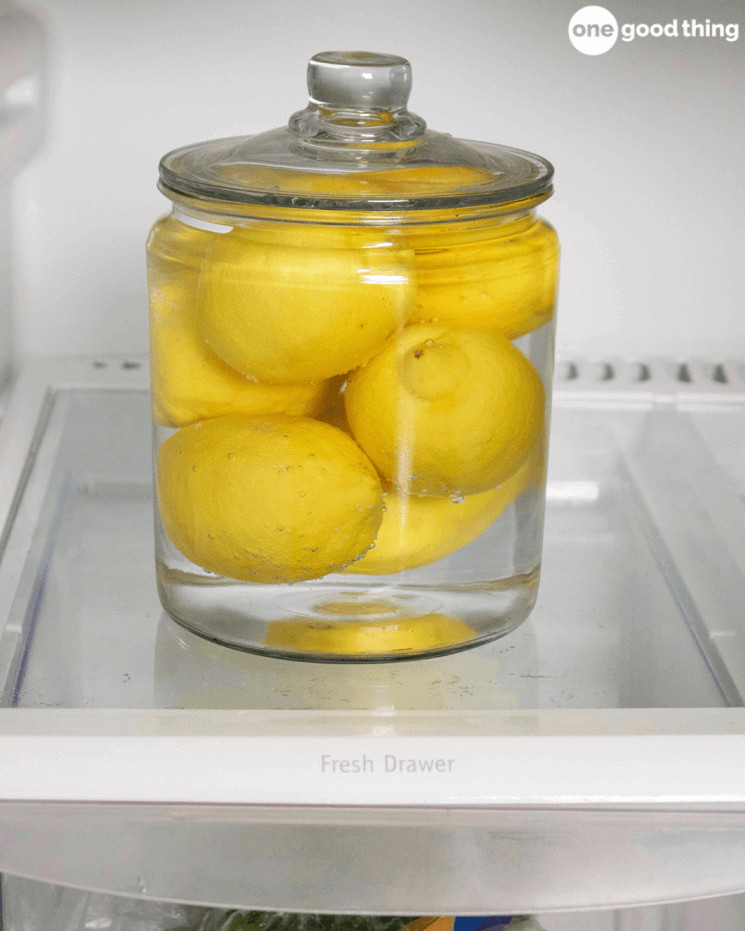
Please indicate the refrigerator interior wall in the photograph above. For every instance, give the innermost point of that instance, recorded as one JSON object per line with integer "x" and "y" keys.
{"x": 23, "y": 83}
{"x": 646, "y": 150}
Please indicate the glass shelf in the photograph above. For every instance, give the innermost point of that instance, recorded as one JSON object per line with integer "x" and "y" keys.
{"x": 575, "y": 751}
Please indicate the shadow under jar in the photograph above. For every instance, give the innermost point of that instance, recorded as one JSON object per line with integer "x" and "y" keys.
{"x": 352, "y": 327}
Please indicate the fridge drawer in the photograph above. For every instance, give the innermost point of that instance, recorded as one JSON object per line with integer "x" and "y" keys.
{"x": 592, "y": 757}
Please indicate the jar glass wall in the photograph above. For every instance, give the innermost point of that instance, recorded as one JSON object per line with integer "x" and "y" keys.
{"x": 350, "y": 426}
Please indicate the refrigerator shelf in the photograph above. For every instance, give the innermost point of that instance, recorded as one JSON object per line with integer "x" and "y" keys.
{"x": 592, "y": 757}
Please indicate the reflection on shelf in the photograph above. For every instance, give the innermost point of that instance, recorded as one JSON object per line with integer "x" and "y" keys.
{"x": 191, "y": 672}
{"x": 622, "y": 618}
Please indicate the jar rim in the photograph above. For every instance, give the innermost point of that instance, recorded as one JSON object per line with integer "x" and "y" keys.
{"x": 350, "y": 213}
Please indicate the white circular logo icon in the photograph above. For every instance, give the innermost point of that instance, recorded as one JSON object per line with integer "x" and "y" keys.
{"x": 593, "y": 30}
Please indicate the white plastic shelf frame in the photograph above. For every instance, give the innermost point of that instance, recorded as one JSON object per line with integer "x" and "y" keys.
{"x": 595, "y": 756}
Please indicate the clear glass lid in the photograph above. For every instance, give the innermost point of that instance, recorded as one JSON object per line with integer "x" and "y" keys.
{"x": 356, "y": 146}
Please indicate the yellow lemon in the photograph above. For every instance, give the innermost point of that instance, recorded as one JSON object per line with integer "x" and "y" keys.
{"x": 188, "y": 381}
{"x": 401, "y": 636}
{"x": 417, "y": 180}
{"x": 446, "y": 411}
{"x": 302, "y": 304}
{"x": 505, "y": 282}
{"x": 270, "y": 498}
{"x": 428, "y": 180}
{"x": 355, "y": 184}
{"x": 418, "y": 531}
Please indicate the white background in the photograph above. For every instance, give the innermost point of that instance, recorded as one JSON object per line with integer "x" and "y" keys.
{"x": 647, "y": 141}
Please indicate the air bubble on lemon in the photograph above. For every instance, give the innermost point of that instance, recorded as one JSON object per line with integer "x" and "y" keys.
{"x": 302, "y": 304}
{"x": 402, "y": 636}
{"x": 444, "y": 411}
{"x": 505, "y": 282}
{"x": 268, "y": 499}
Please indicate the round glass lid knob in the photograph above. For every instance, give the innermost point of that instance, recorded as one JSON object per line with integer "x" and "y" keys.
{"x": 359, "y": 81}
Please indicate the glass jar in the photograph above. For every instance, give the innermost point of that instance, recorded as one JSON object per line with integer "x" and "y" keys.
{"x": 352, "y": 328}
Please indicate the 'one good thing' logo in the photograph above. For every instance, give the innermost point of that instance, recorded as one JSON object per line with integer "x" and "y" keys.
{"x": 593, "y": 30}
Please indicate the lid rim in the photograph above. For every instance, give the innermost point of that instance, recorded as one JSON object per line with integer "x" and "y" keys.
{"x": 221, "y": 191}
{"x": 373, "y": 204}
